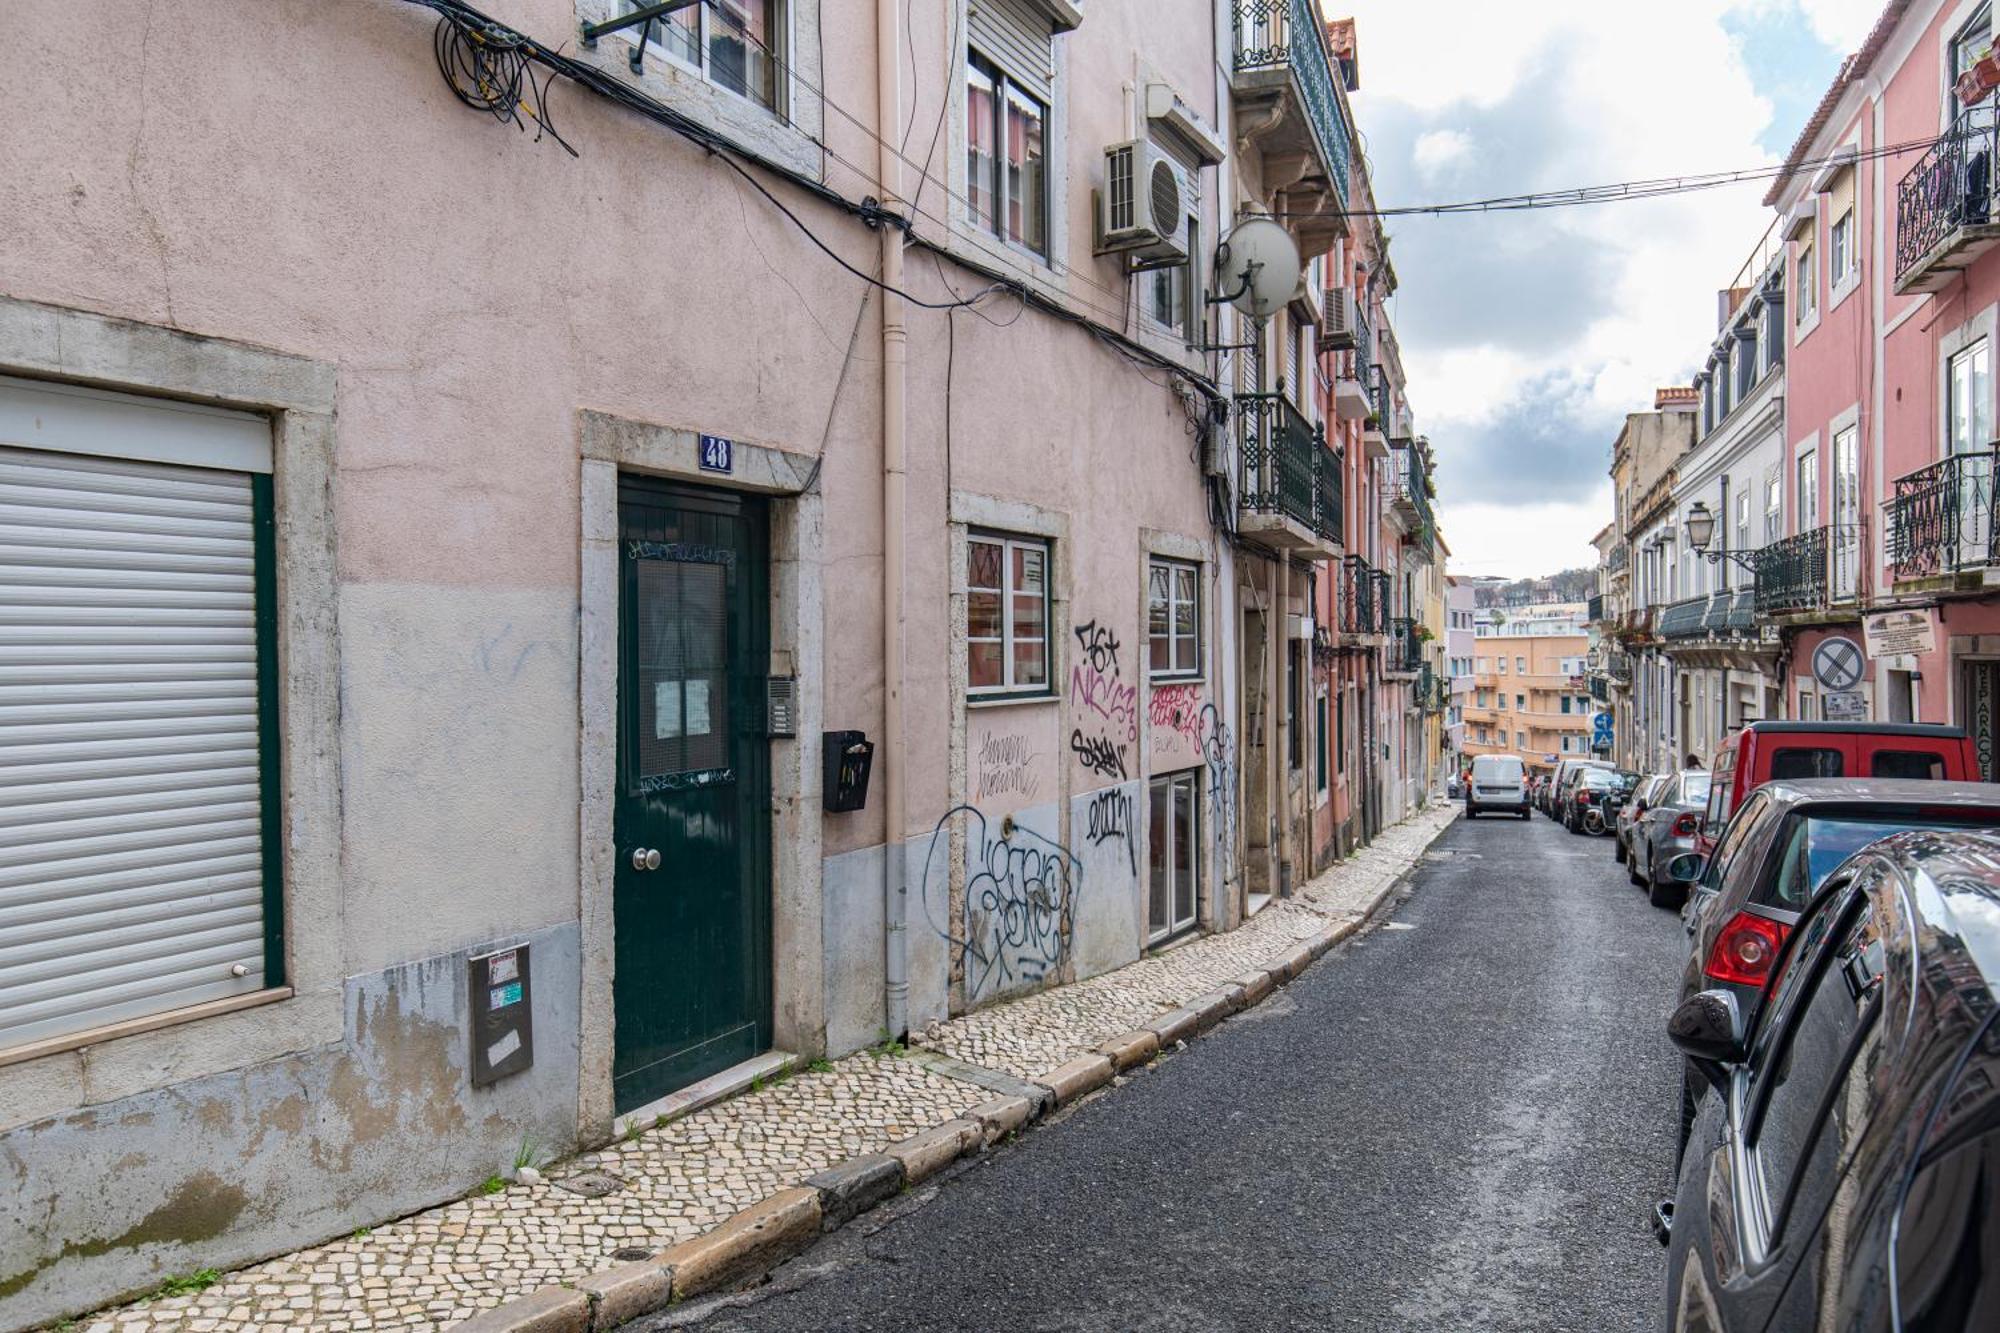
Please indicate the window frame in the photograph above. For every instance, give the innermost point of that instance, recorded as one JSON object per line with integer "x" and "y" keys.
{"x": 1805, "y": 281}
{"x": 1005, "y": 84}
{"x": 1174, "y": 672}
{"x": 1009, "y": 542}
{"x": 1979, "y": 348}
{"x": 782, "y": 24}
{"x": 1175, "y": 840}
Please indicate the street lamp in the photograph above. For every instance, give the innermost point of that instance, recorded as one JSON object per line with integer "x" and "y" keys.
{"x": 1700, "y": 525}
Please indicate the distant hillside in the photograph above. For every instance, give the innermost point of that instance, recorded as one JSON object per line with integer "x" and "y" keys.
{"x": 1571, "y": 585}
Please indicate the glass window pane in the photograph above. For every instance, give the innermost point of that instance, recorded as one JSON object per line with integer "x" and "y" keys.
{"x": 982, "y": 615}
{"x": 983, "y": 664}
{"x": 742, "y": 45}
{"x": 1159, "y": 859}
{"x": 1027, "y": 186}
{"x": 1156, "y": 600}
{"x": 1184, "y": 851}
{"x": 1187, "y": 654}
{"x": 1031, "y": 663}
{"x": 981, "y": 115}
{"x": 983, "y": 564}
{"x": 677, "y": 34}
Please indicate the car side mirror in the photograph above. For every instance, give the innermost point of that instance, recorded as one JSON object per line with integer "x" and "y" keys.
{"x": 1638, "y": 807}
{"x": 1687, "y": 867}
{"x": 1708, "y": 1028}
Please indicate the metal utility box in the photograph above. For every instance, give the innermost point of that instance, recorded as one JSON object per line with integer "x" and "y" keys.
{"x": 503, "y": 1030}
{"x": 849, "y": 755}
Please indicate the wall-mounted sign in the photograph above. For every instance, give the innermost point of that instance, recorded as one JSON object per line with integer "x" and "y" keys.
{"x": 1837, "y": 663}
{"x": 1897, "y": 633}
{"x": 717, "y": 454}
{"x": 503, "y": 1030}
{"x": 1845, "y": 706}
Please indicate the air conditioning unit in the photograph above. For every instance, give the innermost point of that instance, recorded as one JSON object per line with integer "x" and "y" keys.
{"x": 1336, "y": 330}
{"x": 1142, "y": 211}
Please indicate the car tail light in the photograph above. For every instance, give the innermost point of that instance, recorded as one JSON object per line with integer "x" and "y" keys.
{"x": 1584, "y": 798}
{"x": 1746, "y": 950}
{"x": 1687, "y": 826}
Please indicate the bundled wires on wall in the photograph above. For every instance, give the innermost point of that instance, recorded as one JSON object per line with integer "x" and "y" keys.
{"x": 487, "y": 68}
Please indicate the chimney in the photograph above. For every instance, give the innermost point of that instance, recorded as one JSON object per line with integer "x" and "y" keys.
{"x": 1676, "y": 398}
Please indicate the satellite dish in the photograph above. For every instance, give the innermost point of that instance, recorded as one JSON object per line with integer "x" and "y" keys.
{"x": 1257, "y": 267}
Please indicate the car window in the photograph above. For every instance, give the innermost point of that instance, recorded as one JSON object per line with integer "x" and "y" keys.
{"x": 1906, "y": 764}
{"x": 1721, "y": 796}
{"x": 1797, "y": 762}
{"x": 1811, "y": 1080}
{"x": 1488, "y": 769}
{"x": 1815, "y": 845}
{"x": 1732, "y": 839}
{"x": 1694, "y": 788}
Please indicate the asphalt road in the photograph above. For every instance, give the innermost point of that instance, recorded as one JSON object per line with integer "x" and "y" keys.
{"x": 1456, "y": 1122}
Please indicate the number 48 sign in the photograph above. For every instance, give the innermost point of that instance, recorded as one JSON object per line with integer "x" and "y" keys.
{"x": 718, "y": 454}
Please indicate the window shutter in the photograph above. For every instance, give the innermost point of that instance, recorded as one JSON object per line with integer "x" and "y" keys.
{"x": 1014, "y": 35}
{"x": 131, "y": 849}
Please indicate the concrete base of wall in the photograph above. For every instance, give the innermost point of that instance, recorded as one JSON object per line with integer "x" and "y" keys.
{"x": 230, "y": 1168}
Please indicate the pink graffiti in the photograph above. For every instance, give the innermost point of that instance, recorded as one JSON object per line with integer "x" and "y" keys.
{"x": 1178, "y": 708}
{"x": 1107, "y": 696}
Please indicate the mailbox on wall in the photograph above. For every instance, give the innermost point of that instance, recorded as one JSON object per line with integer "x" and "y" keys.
{"x": 849, "y": 755}
{"x": 503, "y": 1033}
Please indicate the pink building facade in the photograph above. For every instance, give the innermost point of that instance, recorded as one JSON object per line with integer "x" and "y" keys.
{"x": 1891, "y": 290}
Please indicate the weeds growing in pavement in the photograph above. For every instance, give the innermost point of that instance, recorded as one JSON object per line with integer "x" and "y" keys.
{"x": 188, "y": 1284}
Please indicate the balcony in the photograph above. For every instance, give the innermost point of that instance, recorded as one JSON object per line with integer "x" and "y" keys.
{"x": 1619, "y": 559}
{"x": 1403, "y": 655}
{"x": 1291, "y": 492}
{"x": 1718, "y": 617}
{"x": 1941, "y": 524}
{"x": 1283, "y": 87}
{"x": 1408, "y": 491}
{"x": 1811, "y": 572}
{"x": 1595, "y": 612}
{"x": 1357, "y": 602}
{"x": 1944, "y": 205}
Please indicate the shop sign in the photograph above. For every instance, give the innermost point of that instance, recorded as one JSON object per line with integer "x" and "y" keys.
{"x": 1899, "y": 633}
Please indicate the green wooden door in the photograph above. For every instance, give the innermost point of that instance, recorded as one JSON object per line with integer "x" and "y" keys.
{"x": 693, "y": 979}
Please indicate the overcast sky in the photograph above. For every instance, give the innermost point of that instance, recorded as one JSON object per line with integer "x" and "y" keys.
{"x": 1528, "y": 336}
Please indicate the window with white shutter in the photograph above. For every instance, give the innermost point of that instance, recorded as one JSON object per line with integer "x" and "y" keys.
{"x": 138, "y": 823}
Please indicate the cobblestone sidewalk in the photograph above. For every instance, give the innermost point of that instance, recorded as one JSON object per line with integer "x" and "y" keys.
{"x": 680, "y": 1179}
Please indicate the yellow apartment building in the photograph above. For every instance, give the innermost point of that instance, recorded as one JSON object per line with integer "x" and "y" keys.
{"x": 1529, "y": 693}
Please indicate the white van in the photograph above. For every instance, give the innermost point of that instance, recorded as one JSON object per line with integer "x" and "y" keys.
{"x": 1499, "y": 783}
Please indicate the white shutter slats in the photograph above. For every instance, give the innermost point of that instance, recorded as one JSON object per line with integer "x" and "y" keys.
{"x": 1018, "y": 38}
{"x": 131, "y": 851}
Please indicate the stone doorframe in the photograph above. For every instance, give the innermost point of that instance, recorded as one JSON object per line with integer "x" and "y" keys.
{"x": 607, "y": 446}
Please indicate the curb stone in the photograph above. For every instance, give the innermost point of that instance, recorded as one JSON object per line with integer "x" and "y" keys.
{"x": 749, "y": 1244}
{"x": 766, "y": 1234}
{"x": 545, "y": 1310}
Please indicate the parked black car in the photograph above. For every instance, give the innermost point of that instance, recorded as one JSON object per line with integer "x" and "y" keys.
{"x": 1595, "y": 795}
{"x": 1773, "y": 855}
{"x": 1845, "y": 1170}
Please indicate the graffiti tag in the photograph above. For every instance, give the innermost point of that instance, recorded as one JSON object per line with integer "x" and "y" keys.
{"x": 1004, "y": 764}
{"x": 1099, "y": 755}
{"x": 1020, "y": 902}
{"x": 1110, "y": 819}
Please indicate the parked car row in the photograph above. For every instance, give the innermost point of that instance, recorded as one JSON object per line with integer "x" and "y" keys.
{"x": 1839, "y": 1107}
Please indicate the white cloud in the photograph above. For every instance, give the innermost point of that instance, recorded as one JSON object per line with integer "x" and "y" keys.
{"x": 1587, "y": 309}
{"x": 1440, "y": 150}
{"x": 1841, "y": 24}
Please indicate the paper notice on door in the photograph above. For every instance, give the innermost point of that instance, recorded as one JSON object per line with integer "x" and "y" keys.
{"x": 666, "y": 710}
{"x": 697, "y": 708}
{"x": 510, "y": 1042}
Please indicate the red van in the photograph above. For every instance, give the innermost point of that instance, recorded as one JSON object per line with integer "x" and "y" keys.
{"x": 1766, "y": 750}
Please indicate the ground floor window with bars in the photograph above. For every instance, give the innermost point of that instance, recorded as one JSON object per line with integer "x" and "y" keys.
{"x": 1173, "y": 843}
{"x": 138, "y": 711}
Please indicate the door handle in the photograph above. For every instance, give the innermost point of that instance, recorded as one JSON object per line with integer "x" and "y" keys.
{"x": 645, "y": 858}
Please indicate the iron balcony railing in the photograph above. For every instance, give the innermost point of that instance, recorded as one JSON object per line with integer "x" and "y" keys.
{"x": 1720, "y": 615}
{"x": 1620, "y": 557}
{"x": 1941, "y": 520}
{"x": 1951, "y": 186}
{"x": 1286, "y": 34}
{"x": 1357, "y": 596}
{"x": 1811, "y": 571}
{"x": 1595, "y": 613}
{"x": 1378, "y": 395}
{"x": 1416, "y": 487}
{"x": 1405, "y": 651}
{"x": 1385, "y": 605}
{"x": 1618, "y": 666}
{"x": 1288, "y": 468}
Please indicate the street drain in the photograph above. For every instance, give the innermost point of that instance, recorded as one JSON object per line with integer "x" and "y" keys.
{"x": 590, "y": 1184}
{"x": 632, "y": 1254}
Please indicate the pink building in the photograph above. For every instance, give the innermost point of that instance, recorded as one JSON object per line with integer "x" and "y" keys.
{"x": 1891, "y": 289}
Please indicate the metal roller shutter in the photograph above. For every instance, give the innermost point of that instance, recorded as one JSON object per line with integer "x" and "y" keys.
{"x": 132, "y": 831}
{"x": 1017, "y": 38}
